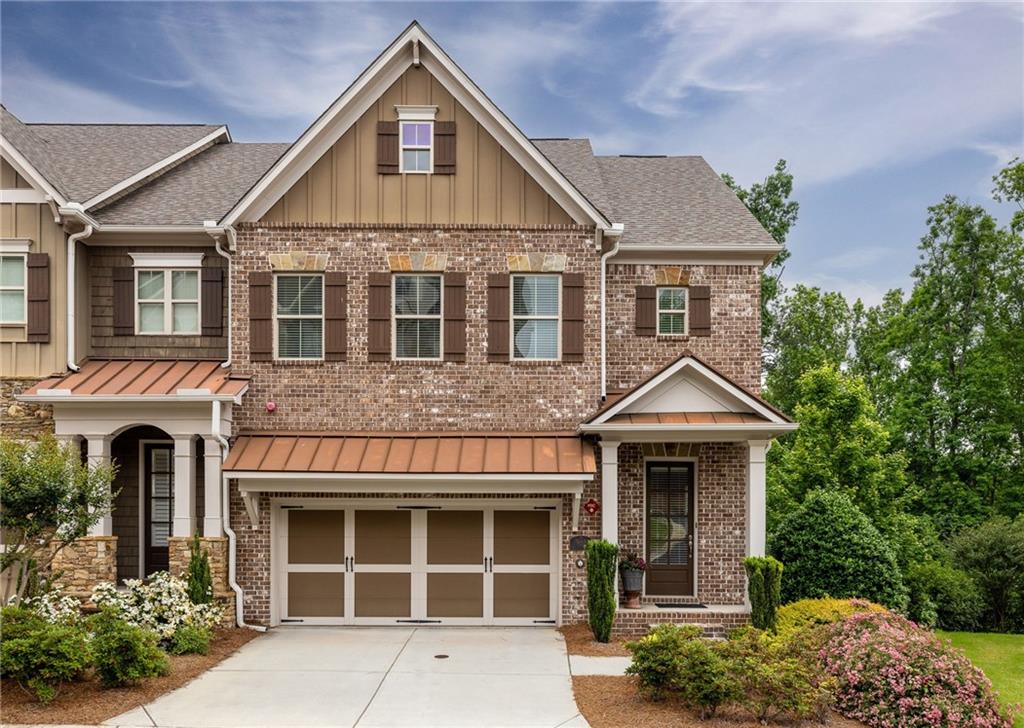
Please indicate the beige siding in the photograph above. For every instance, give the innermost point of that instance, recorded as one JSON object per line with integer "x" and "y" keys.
{"x": 488, "y": 186}
{"x": 19, "y": 358}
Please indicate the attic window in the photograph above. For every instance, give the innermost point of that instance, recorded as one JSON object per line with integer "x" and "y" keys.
{"x": 416, "y": 138}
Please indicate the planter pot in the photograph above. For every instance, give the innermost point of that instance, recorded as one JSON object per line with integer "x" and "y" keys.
{"x": 632, "y": 580}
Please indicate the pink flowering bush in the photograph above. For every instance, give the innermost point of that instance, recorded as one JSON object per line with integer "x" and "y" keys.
{"x": 892, "y": 673}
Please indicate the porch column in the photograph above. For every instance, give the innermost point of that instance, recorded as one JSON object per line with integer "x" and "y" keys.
{"x": 98, "y": 453}
{"x": 756, "y": 494}
{"x": 212, "y": 526}
{"x": 610, "y": 491}
{"x": 184, "y": 486}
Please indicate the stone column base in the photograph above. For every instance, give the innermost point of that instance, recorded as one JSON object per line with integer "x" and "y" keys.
{"x": 83, "y": 564}
{"x": 217, "y": 549}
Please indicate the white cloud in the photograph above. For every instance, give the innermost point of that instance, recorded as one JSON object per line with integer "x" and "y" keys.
{"x": 853, "y": 288}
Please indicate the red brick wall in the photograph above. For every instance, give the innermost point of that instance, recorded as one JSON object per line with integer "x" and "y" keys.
{"x": 471, "y": 395}
{"x": 734, "y": 347}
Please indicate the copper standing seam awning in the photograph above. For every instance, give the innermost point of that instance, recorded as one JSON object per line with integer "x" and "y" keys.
{"x": 539, "y": 462}
{"x": 123, "y": 379}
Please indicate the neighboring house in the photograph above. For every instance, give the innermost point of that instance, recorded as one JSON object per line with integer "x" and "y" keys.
{"x": 410, "y": 354}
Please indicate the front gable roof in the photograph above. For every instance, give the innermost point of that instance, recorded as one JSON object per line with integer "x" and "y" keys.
{"x": 412, "y": 47}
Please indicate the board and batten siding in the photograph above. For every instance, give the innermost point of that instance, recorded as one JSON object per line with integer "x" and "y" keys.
{"x": 488, "y": 186}
{"x": 18, "y": 356}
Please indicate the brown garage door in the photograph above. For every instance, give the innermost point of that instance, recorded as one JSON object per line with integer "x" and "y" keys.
{"x": 419, "y": 563}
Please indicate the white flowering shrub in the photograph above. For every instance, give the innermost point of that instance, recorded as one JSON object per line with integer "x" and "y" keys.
{"x": 160, "y": 603}
{"x": 55, "y": 606}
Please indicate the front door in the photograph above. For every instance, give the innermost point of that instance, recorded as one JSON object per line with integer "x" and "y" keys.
{"x": 159, "y": 505}
{"x": 670, "y": 511}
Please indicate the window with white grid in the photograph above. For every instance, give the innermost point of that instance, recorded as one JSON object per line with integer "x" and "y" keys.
{"x": 167, "y": 301}
{"x": 417, "y": 311}
{"x": 536, "y": 314}
{"x": 299, "y": 316}
{"x": 12, "y": 289}
{"x": 672, "y": 318}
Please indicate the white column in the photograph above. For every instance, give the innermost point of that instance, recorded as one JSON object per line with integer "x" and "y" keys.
{"x": 756, "y": 495}
{"x": 610, "y": 491}
{"x": 98, "y": 453}
{"x": 212, "y": 526}
{"x": 184, "y": 486}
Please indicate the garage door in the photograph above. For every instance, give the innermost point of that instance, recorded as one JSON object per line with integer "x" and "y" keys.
{"x": 459, "y": 564}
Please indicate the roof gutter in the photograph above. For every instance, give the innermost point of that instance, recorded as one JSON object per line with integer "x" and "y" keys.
{"x": 74, "y": 211}
{"x": 615, "y": 232}
{"x": 220, "y": 234}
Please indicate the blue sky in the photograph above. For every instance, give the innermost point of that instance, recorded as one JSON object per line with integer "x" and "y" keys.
{"x": 880, "y": 108}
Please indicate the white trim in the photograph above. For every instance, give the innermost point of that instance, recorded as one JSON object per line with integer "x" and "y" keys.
{"x": 402, "y": 148}
{"x": 724, "y": 254}
{"x": 299, "y": 317}
{"x": 687, "y": 361}
{"x": 416, "y": 113}
{"x": 23, "y": 288}
{"x": 439, "y": 317}
{"x": 52, "y": 395}
{"x": 29, "y": 172}
{"x": 157, "y": 167}
{"x": 685, "y": 310}
{"x": 167, "y": 260}
{"x": 10, "y": 246}
{"x": 533, "y": 317}
{"x": 137, "y": 229}
{"x": 367, "y": 89}
{"x": 689, "y": 433}
{"x": 168, "y": 302}
{"x": 25, "y": 196}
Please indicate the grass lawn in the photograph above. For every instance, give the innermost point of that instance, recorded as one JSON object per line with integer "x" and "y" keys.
{"x": 1001, "y": 656}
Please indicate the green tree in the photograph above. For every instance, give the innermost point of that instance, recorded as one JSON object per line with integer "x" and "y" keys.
{"x": 770, "y": 204}
{"x": 812, "y": 328}
{"x": 1010, "y": 188}
{"x": 993, "y": 554}
{"x": 50, "y": 499}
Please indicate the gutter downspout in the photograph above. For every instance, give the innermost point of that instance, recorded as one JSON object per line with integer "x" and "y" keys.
{"x": 617, "y": 230}
{"x": 225, "y": 518}
{"x": 71, "y": 274}
{"x": 219, "y": 234}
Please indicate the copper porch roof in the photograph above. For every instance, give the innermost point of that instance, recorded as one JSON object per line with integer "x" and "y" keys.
{"x": 413, "y": 453}
{"x": 687, "y": 418}
{"x": 144, "y": 377}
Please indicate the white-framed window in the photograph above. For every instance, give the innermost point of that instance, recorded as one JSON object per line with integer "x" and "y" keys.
{"x": 672, "y": 311}
{"x": 417, "y": 146}
{"x": 417, "y": 328}
{"x": 13, "y": 303}
{"x": 536, "y": 316}
{"x": 299, "y": 316}
{"x": 167, "y": 301}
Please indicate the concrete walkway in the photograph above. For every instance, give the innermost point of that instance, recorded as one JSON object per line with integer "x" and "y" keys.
{"x": 373, "y": 677}
{"x": 588, "y": 665}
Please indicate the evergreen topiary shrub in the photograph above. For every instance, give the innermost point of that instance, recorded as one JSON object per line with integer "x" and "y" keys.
{"x": 198, "y": 576}
{"x": 602, "y": 560}
{"x": 123, "y": 653}
{"x": 831, "y": 549}
{"x": 764, "y": 584}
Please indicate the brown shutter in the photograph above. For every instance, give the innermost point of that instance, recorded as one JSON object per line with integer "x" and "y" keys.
{"x": 213, "y": 301}
{"x": 378, "y": 317}
{"x": 444, "y": 147}
{"x": 646, "y": 311}
{"x": 38, "y": 294}
{"x": 498, "y": 321}
{"x": 572, "y": 317}
{"x": 124, "y": 301}
{"x": 455, "y": 316}
{"x": 261, "y": 321}
{"x": 336, "y": 316}
{"x": 387, "y": 147}
{"x": 700, "y": 310}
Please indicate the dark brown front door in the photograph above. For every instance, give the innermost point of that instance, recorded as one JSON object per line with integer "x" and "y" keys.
{"x": 669, "y": 529}
{"x": 159, "y": 504}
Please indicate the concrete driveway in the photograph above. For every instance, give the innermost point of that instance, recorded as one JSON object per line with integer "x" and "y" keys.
{"x": 379, "y": 676}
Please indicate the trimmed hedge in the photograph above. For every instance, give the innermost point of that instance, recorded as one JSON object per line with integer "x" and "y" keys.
{"x": 124, "y": 653}
{"x": 602, "y": 600}
{"x": 764, "y": 584}
{"x": 809, "y": 613}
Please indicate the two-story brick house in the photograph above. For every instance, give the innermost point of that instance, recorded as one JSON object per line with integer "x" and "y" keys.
{"x": 394, "y": 371}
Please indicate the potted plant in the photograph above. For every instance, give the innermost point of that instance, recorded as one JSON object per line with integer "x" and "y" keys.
{"x": 632, "y": 568}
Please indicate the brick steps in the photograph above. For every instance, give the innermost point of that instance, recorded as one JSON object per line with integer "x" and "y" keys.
{"x": 715, "y": 623}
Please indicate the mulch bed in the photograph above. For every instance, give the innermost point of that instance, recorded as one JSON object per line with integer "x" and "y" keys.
{"x": 613, "y": 702}
{"x": 579, "y": 640}
{"x": 86, "y": 702}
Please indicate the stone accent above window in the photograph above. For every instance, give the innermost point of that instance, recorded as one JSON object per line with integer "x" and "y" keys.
{"x": 418, "y": 262}
{"x": 671, "y": 276}
{"x": 537, "y": 263}
{"x": 298, "y": 261}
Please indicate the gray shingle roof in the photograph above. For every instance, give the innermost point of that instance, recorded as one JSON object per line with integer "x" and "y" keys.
{"x": 660, "y": 200}
{"x": 32, "y": 147}
{"x": 203, "y": 188}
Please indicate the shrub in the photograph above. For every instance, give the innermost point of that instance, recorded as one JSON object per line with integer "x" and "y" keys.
{"x": 601, "y": 597}
{"x": 703, "y": 678}
{"x": 56, "y": 607}
{"x": 656, "y": 657}
{"x": 123, "y": 653}
{"x": 41, "y": 656}
{"x": 809, "y": 613}
{"x": 831, "y": 549}
{"x": 943, "y": 596}
{"x": 160, "y": 604}
{"x": 198, "y": 576}
{"x": 993, "y": 555}
{"x": 890, "y": 672}
{"x": 771, "y": 682}
{"x": 189, "y": 640}
{"x": 764, "y": 582}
